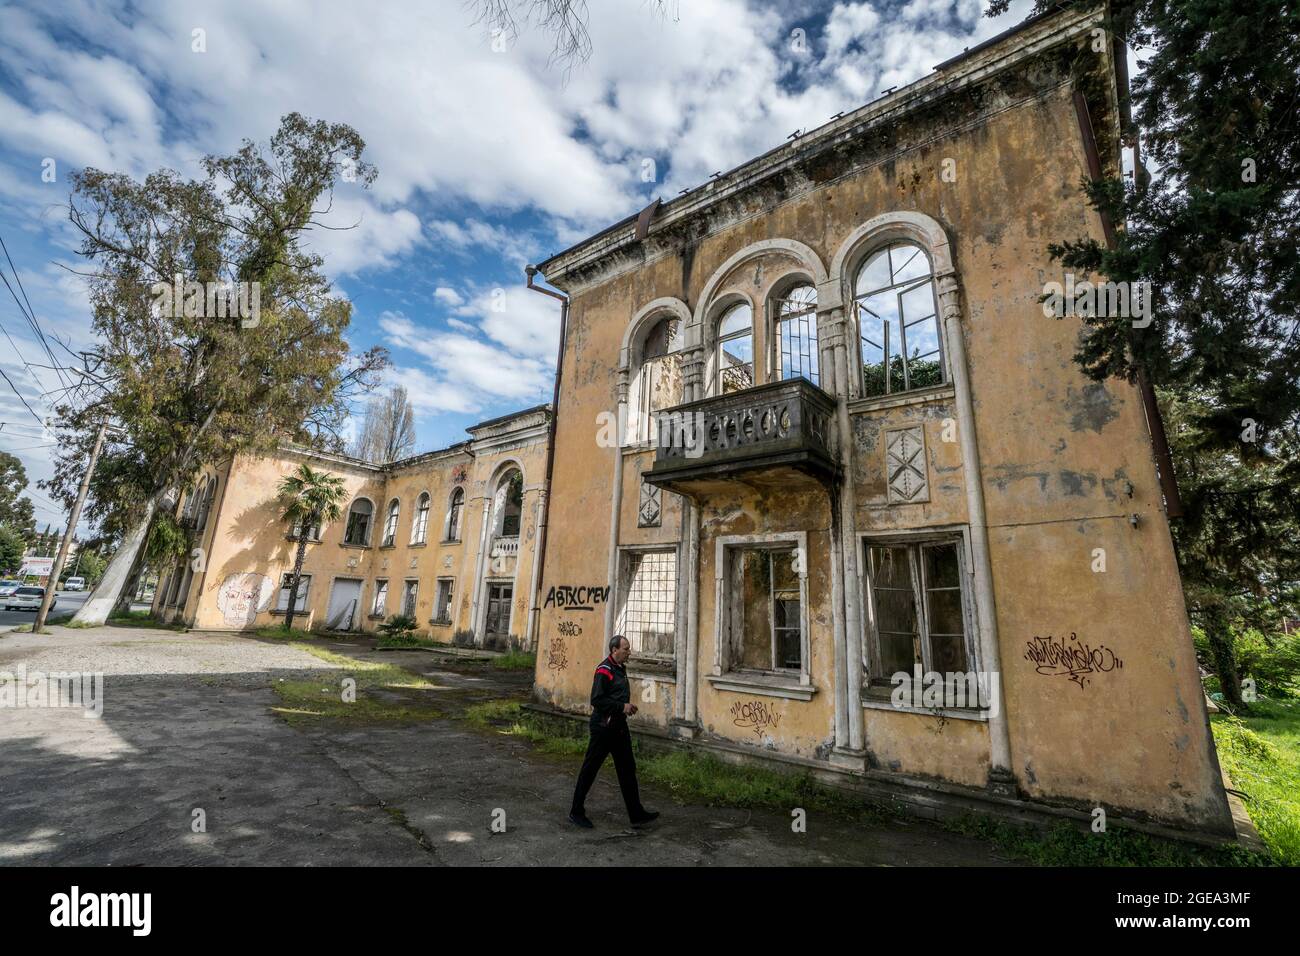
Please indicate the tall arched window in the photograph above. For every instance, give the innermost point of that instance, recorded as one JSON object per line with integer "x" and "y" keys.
{"x": 205, "y": 504}
{"x": 658, "y": 383}
{"x": 453, "y": 514}
{"x": 420, "y": 527}
{"x": 898, "y": 321}
{"x": 796, "y": 334}
{"x": 390, "y": 524}
{"x": 358, "y": 527}
{"x": 736, "y": 349}
{"x": 509, "y": 503}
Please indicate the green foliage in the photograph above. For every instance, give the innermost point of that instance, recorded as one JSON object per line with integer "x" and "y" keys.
{"x": 168, "y": 542}
{"x": 1272, "y": 659}
{"x": 310, "y": 498}
{"x": 398, "y": 626}
{"x": 201, "y": 383}
{"x": 15, "y": 511}
{"x": 1261, "y": 755}
{"x": 515, "y": 661}
{"x": 11, "y": 550}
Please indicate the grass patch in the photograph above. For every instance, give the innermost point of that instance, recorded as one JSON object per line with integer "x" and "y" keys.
{"x": 143, "y": 619}
{"x": 276, "y": 633}
{"x": 1261, "y": 753}
{"x": 1067, "y": 845}
{"x": 403, "y": 639}
{"x": 515, "y": 661}
{"x": 384, "y": 692}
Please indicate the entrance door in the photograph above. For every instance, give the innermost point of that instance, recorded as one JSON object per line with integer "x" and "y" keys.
{"x": 345, "y": 600}
{"x": 496, "y": 628}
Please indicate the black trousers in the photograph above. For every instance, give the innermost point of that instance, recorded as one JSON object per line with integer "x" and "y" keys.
{"x": 614, "y": 739}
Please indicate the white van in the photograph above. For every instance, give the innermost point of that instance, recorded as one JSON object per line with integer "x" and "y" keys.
{"x": 74, "y": 584}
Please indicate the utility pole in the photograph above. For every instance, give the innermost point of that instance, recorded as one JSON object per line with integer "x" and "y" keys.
{"x": 73, "y": 518}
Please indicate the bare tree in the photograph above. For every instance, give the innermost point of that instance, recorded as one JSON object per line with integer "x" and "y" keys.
{"x": 388, "y": 432}
{"x": 565, "y": 20}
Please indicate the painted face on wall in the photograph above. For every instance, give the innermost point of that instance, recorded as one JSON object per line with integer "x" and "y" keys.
{"x": 243, "y": 595}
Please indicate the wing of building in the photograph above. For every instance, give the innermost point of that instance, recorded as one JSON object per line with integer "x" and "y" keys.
{"x": 865, "y": 514}
{"x": 447, "y": 537}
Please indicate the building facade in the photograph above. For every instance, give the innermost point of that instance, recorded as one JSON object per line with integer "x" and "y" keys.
{"x": 448, "y": 537}
{"x": 848, "y": 445}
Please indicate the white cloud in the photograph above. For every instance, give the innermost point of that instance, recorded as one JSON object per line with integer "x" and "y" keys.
{"x": 448, "y": 296}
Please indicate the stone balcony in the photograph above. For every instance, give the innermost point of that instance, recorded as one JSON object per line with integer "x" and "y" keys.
{"x": 780, "y": 431}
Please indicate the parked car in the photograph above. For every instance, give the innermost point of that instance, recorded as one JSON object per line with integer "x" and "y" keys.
{"x": 27, "y": 598}
{"x": 8, "y": 587}
{"x": 74, "y": 584}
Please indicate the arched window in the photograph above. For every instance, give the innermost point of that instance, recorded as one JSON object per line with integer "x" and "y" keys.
{"x": 420, "y": 527}
{"x": 796, "y": 334}
{"x": 390, "y": 524}
{"x": 358, "y": 527}
{"x": 453, "y": 514}
{"x": 509, "y": 503}
{"x": 898, "y": 321}
{"x": 205, "y": 504}
{"x": 736, "y": 349}
{"x": 658, "y": 384}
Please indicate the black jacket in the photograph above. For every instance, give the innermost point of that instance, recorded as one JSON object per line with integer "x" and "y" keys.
{"x": 609, "y": 692}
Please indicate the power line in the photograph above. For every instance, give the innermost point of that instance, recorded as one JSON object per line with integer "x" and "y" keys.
{"x": 31, "y": 312}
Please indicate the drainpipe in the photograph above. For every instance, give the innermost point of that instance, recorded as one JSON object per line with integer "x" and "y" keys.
{"x": 539, "y": 558}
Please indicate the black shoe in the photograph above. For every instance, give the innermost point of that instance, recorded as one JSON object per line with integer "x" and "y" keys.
{"x": 649, "y": 816}
{"x": 577, "y": 819}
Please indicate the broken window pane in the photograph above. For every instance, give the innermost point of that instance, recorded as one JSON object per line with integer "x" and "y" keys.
{"x": 764, "y": 613}
{"x": 647, "y": 614}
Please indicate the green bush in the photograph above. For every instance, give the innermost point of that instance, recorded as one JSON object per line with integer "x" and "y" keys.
{"x": 1273, "y": 660}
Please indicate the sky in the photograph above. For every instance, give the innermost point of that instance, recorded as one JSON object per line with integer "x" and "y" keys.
{"x": 490, "y": 155}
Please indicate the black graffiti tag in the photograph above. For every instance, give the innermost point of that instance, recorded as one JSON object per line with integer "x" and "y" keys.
{"x": 1070, "y": 657}
{"x": 573, "y": 598}
{"x": 754, "y": 714}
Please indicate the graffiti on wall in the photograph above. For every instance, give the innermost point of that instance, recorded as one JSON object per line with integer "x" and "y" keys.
{"x": 1070, "y": 657}
{"x": 557, "y": 654}
{"x": 242, "y": 596}
{"x": 573, "y": 598}
{"x": 757, "y": 715}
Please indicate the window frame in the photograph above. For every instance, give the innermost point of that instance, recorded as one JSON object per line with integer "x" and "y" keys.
{"x": 899, "y": 289}
{"x": 420, "y": 520}
{"x": 455, "y": 515}
{"x": 624, "y": 552}
{"x": 778, "y": 319}
{"x": 875, "y": 683}
{"x": 719, "y": 339}
{"x": 410, "y": 586}
{"x": 282, "y": 594}
{"x": 391, "y": 521}
{"x": 437, "y": 601}
{"x": 777, "y": 682}
{"x": 370, "y": 523}
{"x": 381, "y": 594}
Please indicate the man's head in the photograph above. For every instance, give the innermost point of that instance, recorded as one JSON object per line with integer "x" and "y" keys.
{"x": 619, "y": 649}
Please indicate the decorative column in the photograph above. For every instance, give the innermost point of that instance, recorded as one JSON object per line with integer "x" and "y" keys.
{"x": 1001, "y": 779}
{"x": 616, "y": 500}
{"x": 849, "y": 751}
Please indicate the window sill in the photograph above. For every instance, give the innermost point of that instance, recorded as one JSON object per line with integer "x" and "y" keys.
{"x": 294, "y": 539}
{"x": 281, "y": 612}
{"x": 354, "y": 547}
{"x": 450, "y": 541}
{"x": 417, "y": 544}
{"x": 764, "y": 685}
{"x": 437, "y": 623}
{"x": 876, "y": 700}
{"x": 917, "y": 396}
{"x": 375, "y": 617}
{"x": 664, "y": 671}
{"x": 388, "y": 547}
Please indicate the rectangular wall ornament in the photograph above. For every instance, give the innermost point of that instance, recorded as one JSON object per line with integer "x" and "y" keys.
{"x": 905, "y": 465}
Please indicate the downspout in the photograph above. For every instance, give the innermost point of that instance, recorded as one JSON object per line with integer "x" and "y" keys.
{"x": 539, "y": 559}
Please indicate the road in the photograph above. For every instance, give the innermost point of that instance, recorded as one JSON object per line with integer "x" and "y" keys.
{"x": 64, "y": 601}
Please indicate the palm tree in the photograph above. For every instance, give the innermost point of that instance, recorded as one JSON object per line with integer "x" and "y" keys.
{"x": 310, "y": 498}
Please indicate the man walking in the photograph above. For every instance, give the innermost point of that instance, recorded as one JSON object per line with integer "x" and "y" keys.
{"x": 611, "y": 705}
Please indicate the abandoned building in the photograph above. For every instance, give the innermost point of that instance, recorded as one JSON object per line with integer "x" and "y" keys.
{"x": 447, "y": 537}
{"x": 849, "y": 447}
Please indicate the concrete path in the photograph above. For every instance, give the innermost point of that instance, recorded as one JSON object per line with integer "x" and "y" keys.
{"x": 188, "y": 724}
